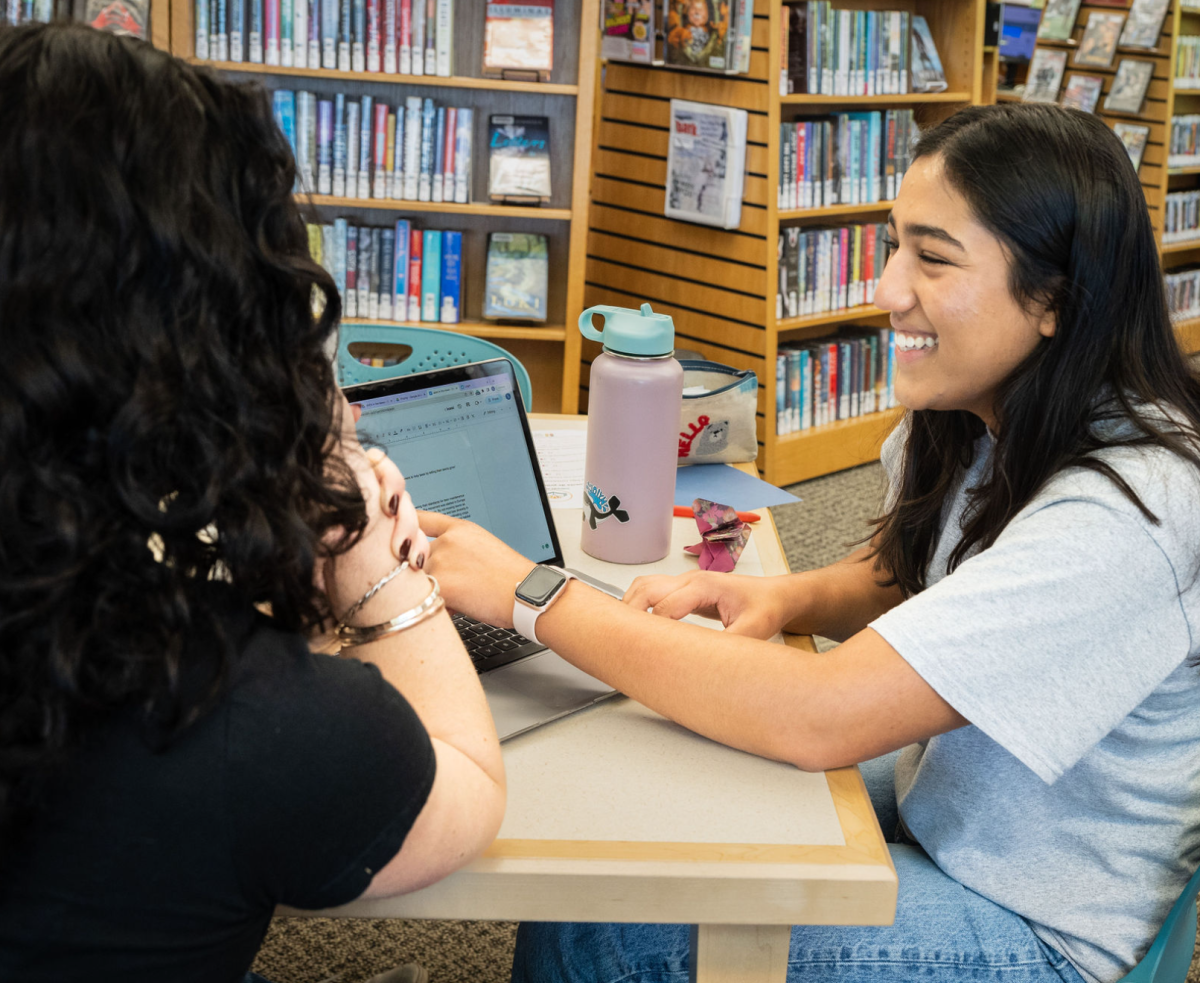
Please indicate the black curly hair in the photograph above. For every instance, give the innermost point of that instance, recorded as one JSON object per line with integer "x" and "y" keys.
{"x": 167, "y": 404}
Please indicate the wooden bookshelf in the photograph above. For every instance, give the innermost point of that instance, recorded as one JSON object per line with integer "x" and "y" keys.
{"x": 719, "y": 285}
{"x": 551, "y": 353}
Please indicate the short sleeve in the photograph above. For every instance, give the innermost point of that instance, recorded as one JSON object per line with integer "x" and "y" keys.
{"x": 1049, "y": 638}
{"x": 328, "y": 768}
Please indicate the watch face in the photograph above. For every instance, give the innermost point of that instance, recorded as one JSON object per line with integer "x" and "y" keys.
{"x": 540, "y": 586}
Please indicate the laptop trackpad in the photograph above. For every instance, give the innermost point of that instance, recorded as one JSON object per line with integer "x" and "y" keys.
{"x": 536, "y": 689}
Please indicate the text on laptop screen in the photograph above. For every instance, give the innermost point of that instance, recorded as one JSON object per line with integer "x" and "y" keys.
{"x": 462, "y": 451}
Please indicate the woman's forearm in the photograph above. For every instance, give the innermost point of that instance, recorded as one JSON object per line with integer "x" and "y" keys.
{"x": 839, "y": 600}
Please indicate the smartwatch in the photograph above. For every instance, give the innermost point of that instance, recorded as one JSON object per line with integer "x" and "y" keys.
{"x": 534, "y": 594}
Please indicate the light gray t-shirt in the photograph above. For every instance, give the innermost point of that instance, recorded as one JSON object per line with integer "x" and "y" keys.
{"x": 1073, "y": 798}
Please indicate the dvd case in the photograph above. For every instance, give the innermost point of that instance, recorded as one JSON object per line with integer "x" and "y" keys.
{"x": 519, "y": 159}
{"x": 517, "y": 275}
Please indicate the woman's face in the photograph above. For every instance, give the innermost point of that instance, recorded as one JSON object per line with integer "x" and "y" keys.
{"x": 698, "y": 14}
{"x": 959, "y": 332}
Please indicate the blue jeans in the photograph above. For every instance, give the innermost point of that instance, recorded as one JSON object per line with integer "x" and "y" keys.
{"x": 943, "y": 932}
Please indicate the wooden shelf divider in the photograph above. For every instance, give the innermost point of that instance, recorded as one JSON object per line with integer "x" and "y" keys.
{"x": 445, "y": 207}
{"x": 480, "y": 329}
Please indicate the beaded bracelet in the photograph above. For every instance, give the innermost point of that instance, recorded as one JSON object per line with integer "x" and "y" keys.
{"x": 350, "y": 635}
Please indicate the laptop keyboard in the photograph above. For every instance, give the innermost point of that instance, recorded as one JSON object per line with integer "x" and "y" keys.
{"x": 490, "y": 647}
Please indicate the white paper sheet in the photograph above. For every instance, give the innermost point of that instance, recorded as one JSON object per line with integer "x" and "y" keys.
{"x": 561, "y": 453}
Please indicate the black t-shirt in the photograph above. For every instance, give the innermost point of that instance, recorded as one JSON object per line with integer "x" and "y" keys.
{"x": 300, "y": 784}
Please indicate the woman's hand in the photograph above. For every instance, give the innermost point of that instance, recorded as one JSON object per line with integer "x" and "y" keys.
{"x": 744, "y": 605}
{"x": 478, "y": 573}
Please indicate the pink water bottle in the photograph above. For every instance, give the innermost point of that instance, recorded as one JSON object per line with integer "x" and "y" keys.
{"x": 634, "y": 398}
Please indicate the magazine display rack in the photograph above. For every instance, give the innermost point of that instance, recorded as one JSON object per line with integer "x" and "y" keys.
{"x": 720, "y": 285}
{"x": 1162, "y": 101}
{"x": 551, "y": 352}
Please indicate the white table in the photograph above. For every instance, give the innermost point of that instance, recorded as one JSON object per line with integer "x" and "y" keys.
{"x": 616, "y": 814}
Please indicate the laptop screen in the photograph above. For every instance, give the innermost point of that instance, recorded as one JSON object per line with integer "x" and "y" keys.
{"x": 460, "y": 439}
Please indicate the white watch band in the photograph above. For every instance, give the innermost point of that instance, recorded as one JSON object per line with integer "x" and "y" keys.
{"x": 525, "y": 617}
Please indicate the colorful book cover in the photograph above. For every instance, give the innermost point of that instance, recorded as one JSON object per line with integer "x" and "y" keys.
{"x": 283, "y": 102}
{"x": 366, "y": 121}
{"x": 400, "y": 272}
{"x": 387, "y": 260}
{"x": 287, "y": 24}
{"x": 350, "y": 297}
{"x": 325, "y": 147}
{"x": 431, "y": 276}
{"x": 271, "y": 39}
{"x": 518, "y": 39}
{"x": 517, "y": 276}
{"x": 415, "y": 245}
{"x": 439, "y": 153}
{"x": 519, "y": 158}
{"x": 627, "y": 30}
{"x": 379, "y": 151}
{"x": 339, "y": 145}
{"x": 697, "y": 35}
{"x": 464, "y": 129}
{"x": 412, "y": 147}
{"x": 428, "y": 124}
{"x": 404, "y": 38}
{"x": 451, "y": 277}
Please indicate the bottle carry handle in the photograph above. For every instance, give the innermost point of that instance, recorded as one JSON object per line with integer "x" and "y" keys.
{"x": 604, "y": 310}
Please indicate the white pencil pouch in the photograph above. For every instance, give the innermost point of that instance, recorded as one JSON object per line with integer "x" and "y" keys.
{"x": 717, "y": 421}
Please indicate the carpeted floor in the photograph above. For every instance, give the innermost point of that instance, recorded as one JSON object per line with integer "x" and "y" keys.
{"x": 834, "y": 514}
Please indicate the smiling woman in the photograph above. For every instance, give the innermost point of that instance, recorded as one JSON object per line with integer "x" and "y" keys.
{"x": 1024, "y": 626}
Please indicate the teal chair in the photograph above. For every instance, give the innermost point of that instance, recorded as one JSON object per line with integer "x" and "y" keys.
{"x": 1170, "y": 954}
{"x": 431, "y": 349}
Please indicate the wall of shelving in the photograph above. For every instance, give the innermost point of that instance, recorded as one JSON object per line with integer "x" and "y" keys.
{"x": 550, "y": 352}
{"x": 719, "y": 285}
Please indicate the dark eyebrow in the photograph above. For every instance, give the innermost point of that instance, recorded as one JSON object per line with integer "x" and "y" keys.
{"x": 930, "y": 231}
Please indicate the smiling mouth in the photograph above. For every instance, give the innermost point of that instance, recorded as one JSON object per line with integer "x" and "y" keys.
{"x": 906, "y": 342}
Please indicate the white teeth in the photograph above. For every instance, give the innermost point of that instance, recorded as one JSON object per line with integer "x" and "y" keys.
{"x": 906, "y": 342}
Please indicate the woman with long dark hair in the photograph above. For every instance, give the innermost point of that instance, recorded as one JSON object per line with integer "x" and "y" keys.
{"x": 1025, "y": 622}
{"x": 184, "y": 506}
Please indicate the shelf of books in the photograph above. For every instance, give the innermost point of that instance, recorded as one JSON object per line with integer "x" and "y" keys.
{"x": 1136, "y": 63}
{"x": 443, "y": 152}
{"x": 774, "y": 269}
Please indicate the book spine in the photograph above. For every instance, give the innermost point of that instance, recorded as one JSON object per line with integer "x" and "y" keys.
{"x": 339, "y": 145}
{"x": 329, "y": 33}
{"x": 202, "y": 28}
{"x": 404, "y": 39}
{"x": 804, "y": 412}
{"x": 358, "y": 34}
{"x": 412, "y": 147}
{"x": 780, "y": 392}
{"x": 439, "y": 154}
{"x": 255, "y": 40}
{"x": 389, "y": 157}
{"x": 287, "y": 24}
{"x": 431, "y": 276}
{"x": 417, "y": 37}
{"x": 305, "y": 130}
{"x": 397, "y": 180}
{"x": 373, "y": 274}
{"x": 300, "y": 33}
{"x": 350, "y": 299}
{"x": 431, "y": 37}
{"x": 451, "y": 286}
{"x": 374, "y": 36}
{"x": 328, "y": 249}
{"x": 451, "y": 139}
{"x": 389, "y": 37}
{"x": 462, "y": 155}
{"x": 387, "y": 261}
{"x": 314, "y": 34}
{"x": 363, "y": 189}
{"x": 283, "y": 102}
{"x": 400, "y": 270}
{"x": 364, "y": 272}
{"x": 271, "y": 32}
{"x": 237, "y": 27}
{"x": 325, "y": 147}
{"x": 445, "y": 38}
{"x": 428, "y": 124}
{"x": 345, "y": 30}
{"x": 379, "y": 144}
{"x": 794, "y": 386}
{"x": 340, "y": 235}
{"x": 222, "y": 29}
{"x": 415, "y": 243}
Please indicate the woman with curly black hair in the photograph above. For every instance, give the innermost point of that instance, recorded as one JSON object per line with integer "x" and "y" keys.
{"x": 184, "y": 506}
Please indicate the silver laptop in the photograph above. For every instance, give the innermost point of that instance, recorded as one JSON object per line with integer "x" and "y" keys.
{"x": 461, "y": 438}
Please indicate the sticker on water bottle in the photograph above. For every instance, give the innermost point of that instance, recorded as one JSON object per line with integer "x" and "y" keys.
{"x": 600, "y": 506}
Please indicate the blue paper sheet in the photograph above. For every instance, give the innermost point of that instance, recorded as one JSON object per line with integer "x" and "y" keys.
{"x": 729, "y": 486}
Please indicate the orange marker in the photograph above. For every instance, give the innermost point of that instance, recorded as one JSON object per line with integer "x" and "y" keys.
{"x": 685, "y": 512}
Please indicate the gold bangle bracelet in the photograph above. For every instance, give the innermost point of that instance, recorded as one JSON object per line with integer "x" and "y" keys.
{"x": 351, "y": 635}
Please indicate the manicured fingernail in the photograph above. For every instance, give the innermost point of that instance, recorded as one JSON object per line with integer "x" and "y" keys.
{"x": 393, "y": 505}
{"x": 420, "y": 561}
{"x": 404, "y": 548}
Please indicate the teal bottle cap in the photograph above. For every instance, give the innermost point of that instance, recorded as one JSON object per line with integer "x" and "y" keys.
{"x": 627, "y": 332}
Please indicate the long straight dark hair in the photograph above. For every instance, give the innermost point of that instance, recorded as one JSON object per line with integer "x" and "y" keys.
{"x": 1056, "y": 188}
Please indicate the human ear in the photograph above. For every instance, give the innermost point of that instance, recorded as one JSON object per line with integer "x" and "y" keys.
{"x": 1047, "y": 324}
